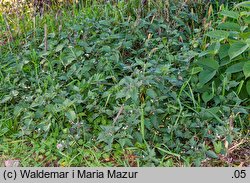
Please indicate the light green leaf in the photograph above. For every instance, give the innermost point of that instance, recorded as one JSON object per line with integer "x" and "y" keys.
{"x": 246, "y": 69}
{"x": 229, "y": 26}
{"x": 231, "y": 14}
{"x": 71, "y": 115}
{"x": 218, "y": 34}
{"x": 245, "y": 4}
{"x": 59, "y": 47}
{"x": 236, "y": 49}
{"x": 196, "y": 70}
{"x": 208, "y": 63}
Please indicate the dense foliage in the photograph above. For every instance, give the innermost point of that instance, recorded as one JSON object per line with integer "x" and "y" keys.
{"x": 144, "y": 87}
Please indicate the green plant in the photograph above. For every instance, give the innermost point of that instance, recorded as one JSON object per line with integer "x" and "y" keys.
{"x": 112, "y": 87}
{"x": 225, "y": 62}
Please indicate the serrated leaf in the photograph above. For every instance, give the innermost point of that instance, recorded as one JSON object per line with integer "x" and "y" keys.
{"x": 121, "y": 94}
{"x": 133, "y": 94}
{"x": 236, "y": 49}
{"x": 246, "y": 69}
{"x": 212, "y": 154}
{"x": 151, "y": 93}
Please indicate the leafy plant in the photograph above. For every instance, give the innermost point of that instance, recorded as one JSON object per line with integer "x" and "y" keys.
{"x": 226, "y": 58}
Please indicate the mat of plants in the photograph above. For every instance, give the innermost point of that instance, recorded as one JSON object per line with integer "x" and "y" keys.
{"x": 103, "y": 87}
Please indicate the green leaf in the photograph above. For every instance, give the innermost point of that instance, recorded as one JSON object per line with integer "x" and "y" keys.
{"x": 151, "y": 93}
{"x": 206, "y": 97}
{"x": 121, "y": 94}
{"x": 248, "y": 87}
{"x": 245, "y": 4}
{"x": 134, "y": 94}
{"x": 106, "y": 49}
{"x": 196, "y": 70}
{"x": 231, "y": 14}
{"x": 208, "y": 63}
{"x": 236, "y": 49}
{"x": 206, "y": 76}
{"x": 218, "y": 34}
{"x": 246, "y": 69}
{"x": 212, "y": 154}
{"x": 5, "y": 99}
{"x": 59, "y": 47}
{"x": 235, "y": 68}
{"x": 71, "y": 115}
{"x": 223, "y": 52}
{"x": 229, "y": 26}
{"x": 17, "y": 110}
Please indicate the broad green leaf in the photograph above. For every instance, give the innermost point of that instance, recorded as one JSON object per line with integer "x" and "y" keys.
{"x": 59, "y": 47}
{"x": 196, "y": 70}
{"x": 246, "y": 69}
{"x": 106, "y": 49}
{"x": 245, "y": 4}
{"x": 206, "y": 52}
{"x": 151, "y": 93}
{"x": 235, "y": 68}
{"x": 218, "y": 34}
{"x": 208, "y": 63}
{"x": 206, "y": 76}
{"x": 236, "y": 49}
{"x": 229, "y": 26}
{"x": 223, "y": 52}
{"x": 212, "y": 154}
{"x": 231, "y": 14}
{"x": 213, "y": 48}
{"x": 206, "y": 97}
{"x": 133, "y": 94}
{"x": 71, "y": 115}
